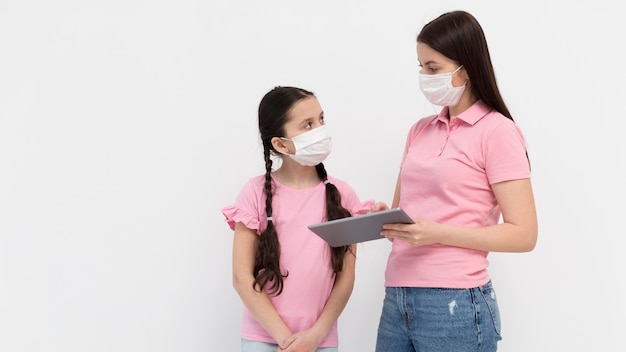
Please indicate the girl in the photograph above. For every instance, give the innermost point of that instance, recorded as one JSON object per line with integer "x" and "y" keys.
{"x": 293, "y": 284}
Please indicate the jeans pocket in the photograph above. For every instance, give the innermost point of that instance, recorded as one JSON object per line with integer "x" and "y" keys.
{"x": 489, "y": 296}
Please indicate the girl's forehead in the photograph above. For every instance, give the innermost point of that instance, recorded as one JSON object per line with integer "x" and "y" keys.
{"x": 305, "y": 108}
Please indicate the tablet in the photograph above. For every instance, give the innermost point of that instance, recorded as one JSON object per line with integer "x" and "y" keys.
{"x": 359, "y": 228}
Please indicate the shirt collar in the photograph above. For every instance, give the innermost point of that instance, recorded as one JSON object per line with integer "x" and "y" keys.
{"x": 471, "y": 115}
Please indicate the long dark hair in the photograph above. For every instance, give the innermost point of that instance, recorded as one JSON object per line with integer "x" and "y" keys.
{"x": 273, "y": 114}
{"x": 458, "y": 36}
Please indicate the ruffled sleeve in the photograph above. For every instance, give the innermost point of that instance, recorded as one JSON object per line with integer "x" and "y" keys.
{"x": 234, "y": 215}
{"x": 247, "y": 207}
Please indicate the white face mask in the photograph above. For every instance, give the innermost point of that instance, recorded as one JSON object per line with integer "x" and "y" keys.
{"x": 438, "y": 88}
{"x": 312, "y": 147}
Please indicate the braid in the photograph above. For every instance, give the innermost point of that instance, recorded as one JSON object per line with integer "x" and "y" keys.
{"x": 334, "y": 210}
{"x": 267, "y": 261}
{"x": 273, "y": 115}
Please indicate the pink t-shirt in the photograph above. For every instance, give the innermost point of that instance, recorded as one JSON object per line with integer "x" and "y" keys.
{"x": 447, "y": 171}
{"x": 304, "y": 255}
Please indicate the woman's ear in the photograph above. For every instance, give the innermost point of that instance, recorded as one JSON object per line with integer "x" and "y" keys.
{"x": 464, "y": 74}
{"x": 279, "y": 145}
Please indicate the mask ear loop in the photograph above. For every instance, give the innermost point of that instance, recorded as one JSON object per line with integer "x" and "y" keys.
{"x": 457, "y": 70}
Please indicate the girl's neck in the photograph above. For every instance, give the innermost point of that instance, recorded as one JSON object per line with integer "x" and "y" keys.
{"x": 294, "y": 175}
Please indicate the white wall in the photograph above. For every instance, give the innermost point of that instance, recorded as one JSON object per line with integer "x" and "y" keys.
{"x": 126, "y": 125}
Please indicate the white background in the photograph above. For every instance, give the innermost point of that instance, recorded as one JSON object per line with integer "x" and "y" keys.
{"x": 125, "y": 126}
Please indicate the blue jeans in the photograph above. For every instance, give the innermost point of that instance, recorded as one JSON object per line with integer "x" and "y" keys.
{"x": 256, "y": 346}
{"x": 439, "y": 319}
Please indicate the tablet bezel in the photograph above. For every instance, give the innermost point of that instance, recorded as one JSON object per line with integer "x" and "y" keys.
{"x": 358, "y": 228}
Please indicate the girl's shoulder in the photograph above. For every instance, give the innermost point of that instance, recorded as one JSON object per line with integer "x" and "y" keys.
{"x": 253, "y": 186}
{"x": 339, "y": 183}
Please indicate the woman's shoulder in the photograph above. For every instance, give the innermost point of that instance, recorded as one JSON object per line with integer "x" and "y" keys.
{"x": 496, "y": 122}
{"x": 420, "y": 125}
{"x": 425, "y": 120}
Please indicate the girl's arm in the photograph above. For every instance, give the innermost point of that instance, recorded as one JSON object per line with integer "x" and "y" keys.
{"x": 258, "y": 303}
{"x": 310, "y": 339}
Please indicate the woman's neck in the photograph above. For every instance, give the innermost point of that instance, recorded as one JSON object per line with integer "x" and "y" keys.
{"x": 467, "y": 100}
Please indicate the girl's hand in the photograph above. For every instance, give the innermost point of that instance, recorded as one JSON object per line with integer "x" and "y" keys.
{"x": 378, "y": 206}
{"x": 303, "y": 341}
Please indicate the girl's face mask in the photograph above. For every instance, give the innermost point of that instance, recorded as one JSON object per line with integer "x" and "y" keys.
{"x": 438, "y": 88}
{"x": 312, "y": 147}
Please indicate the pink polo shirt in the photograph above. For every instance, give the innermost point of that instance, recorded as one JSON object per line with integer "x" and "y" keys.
{"x": 304, "y": 255}
{"x": 447, "y": 171}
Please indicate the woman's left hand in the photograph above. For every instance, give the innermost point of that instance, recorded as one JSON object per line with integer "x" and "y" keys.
{"x": 421, "y": 233}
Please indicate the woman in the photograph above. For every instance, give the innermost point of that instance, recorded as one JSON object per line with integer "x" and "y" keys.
{"x": 461, "y": 170}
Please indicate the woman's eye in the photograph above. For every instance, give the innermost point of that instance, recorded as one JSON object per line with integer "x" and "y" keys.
{"x": 428, "y": 70}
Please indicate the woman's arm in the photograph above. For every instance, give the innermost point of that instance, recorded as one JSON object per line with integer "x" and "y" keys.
{"x": 378, "y": 206}
{"x": 517, "y": 232}
{"x": 396, "y": 194}
{"x": 258, "y": 303}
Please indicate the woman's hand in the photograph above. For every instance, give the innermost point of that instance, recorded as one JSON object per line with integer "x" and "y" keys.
{"x": 421, "y": 233}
